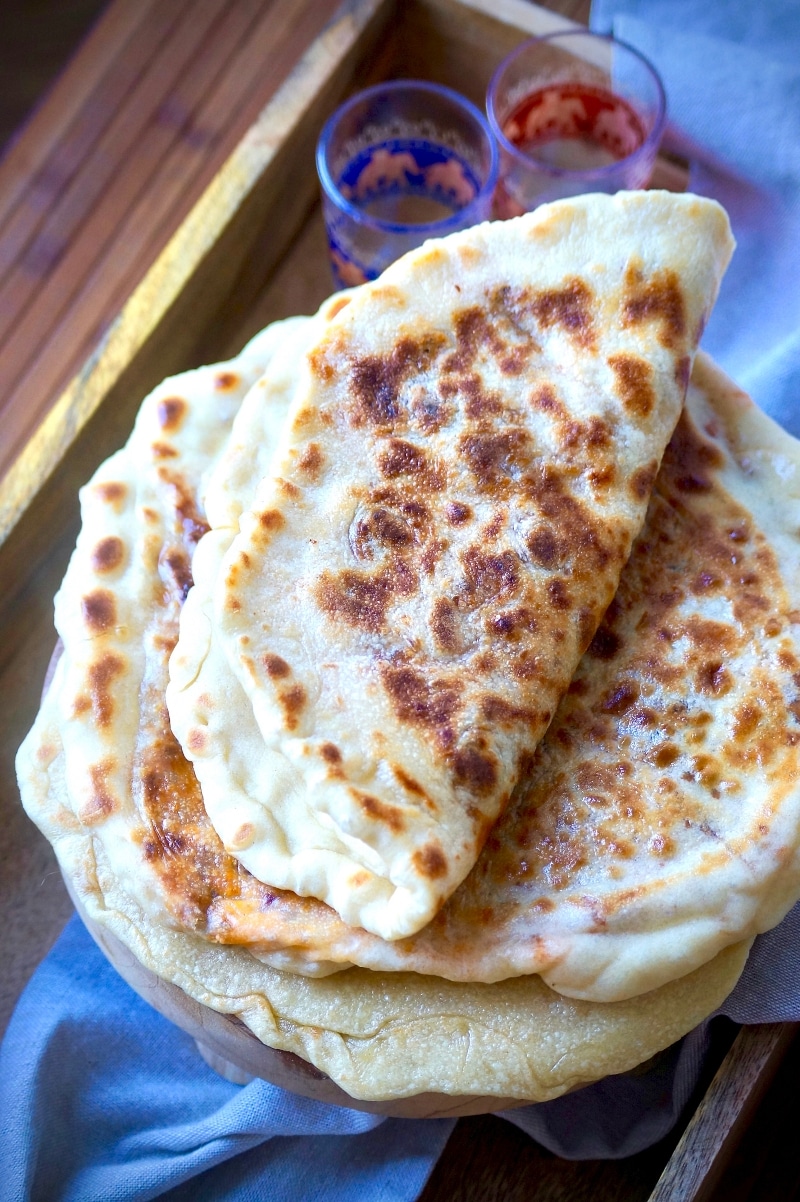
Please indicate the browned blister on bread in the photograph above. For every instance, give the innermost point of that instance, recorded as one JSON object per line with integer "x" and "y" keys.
{"x": 658, "y": 821}
{"x": 468, "y": 458}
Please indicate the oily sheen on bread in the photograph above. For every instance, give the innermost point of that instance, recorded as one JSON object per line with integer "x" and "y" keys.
{"x": 467, "y": 460}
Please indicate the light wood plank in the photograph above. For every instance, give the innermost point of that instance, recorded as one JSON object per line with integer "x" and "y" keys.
{"x": 39, "y": 170}
{"x": 51, "y": 123}
{"x": 269, "y": 165}
{"x": 51, "y": 256}
{"x": 107, "y": 260}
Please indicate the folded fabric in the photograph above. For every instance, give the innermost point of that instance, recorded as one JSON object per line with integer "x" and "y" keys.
{"x": 106, "y": 1101}
{"x": 103, "y": 1100}
{"x": 732, "y": 75}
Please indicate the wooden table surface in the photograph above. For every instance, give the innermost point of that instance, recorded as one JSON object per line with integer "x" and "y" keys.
{"x": 89, "y": 192}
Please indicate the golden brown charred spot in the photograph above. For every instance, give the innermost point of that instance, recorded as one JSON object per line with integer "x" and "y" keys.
{"x": 746, "y": 719}
{"x": 375, "y": 381}
{"x": 493, "y": 528}
{"x": 496, "y": 458}
{"x": 430, "y": 861}
{"x": 431, "y": 555}
{"x": 596, "y": 433}
{"x": 275, "y": 667}
{"x": 108, "y": 554}
{"x": 658, "y": 299}
{"x": 197, "y": 740}
{"x": 504, "y": 713}
{"x": 330, "y": 753}
{"x": 713, "y": 678}
{"x": 163, "y": 450}
{"x": 558, "y": 594}
{"x": 226, "y": 381}
{"x": 176, "y": 571}
{"x": 321, "y": 365}
{"x": 101, "y": 803}
{"x": 602, "y": 478}
{"x": 179, "y": 841}
{"x": 402, "y": 459}
{"x": 410, "y": 785}
{"x": 293, "y": 701}
{"x": 473, "y": 331}
{"x": 512, "y": 624}
{"x": 99, "y": 611}
{"x": 113, "y": 494}
{"x": 661, "y": 845}
{"x": 489, "y": 576}
{"x": 192, "y": 522}
{"x": 457, "y": 513}
{"x": 525, "y": 666}
{"x": 570, "y": 308}
{"x": 514, "y": 362}
{"x": 379, "y": 811}
{"x": 620, "y": 699}
{"x": 383, "y": 528}
{"x": 288, "y": 488}
{"x": 356, "y": 598}
{"x": 605, "y": 644}
{"x": 444, "y": 624}
{"x": 475, "y": 769}
{"x": 665, "y": 755}
{"x": 642, "y": 480}
{"x": 704, "y": 582}
{"x": 311, "y": 460}
{"x": 480, "y": 404}
{"x": 548, "y": 488}
{"x": 416, "y": 513}
{"x": 271, "y": 520}
{"x": 432, "y": 706}
{"x": 337, "y": 306}
{"x": 546, "y": 400}
{"x": 635, "y": 384}
{"x": 171, "y": 413}
{"x": 101, "y": 677}
{"x": 543, "y": 546}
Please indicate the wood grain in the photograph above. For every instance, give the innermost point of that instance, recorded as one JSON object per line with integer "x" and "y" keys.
{"x": 201, "y": 259}
{"x": 718, "y": 1124}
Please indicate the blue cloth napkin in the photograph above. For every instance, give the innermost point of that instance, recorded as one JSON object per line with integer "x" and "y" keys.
{"x": 103, "y": 1100}
{"x": 731, "y": 70}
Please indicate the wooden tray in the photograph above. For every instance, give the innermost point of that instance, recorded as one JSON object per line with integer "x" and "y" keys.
{"x": 251, "y": 248}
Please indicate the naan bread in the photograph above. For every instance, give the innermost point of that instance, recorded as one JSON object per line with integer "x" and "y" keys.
{"x": 147, "y": 865}
{"x": 654, "y": 828}
{"x": 660, "y": 821}
{"x": 468, "y": 459}
{"x": 117, "y": 610}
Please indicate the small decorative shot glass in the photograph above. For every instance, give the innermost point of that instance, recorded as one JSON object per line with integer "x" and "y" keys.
{"x": 573, "y": 112}
{"x": 400, "y": 163}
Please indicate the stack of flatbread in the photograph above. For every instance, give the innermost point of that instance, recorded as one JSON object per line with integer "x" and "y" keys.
{"x": 430, "y": 687}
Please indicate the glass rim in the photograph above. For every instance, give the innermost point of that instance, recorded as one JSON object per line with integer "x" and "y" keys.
{"x": 649, "y": 144}
{"x": 442, "y": 225}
